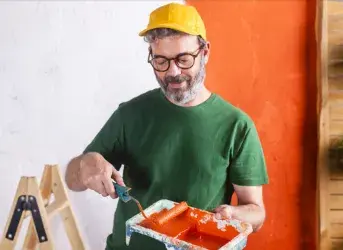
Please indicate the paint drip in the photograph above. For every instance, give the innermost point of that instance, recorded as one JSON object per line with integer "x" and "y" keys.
{"x": 140, "y": 208}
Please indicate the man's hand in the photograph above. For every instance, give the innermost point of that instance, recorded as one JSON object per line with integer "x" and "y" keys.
{"x": 223, "y": 212}
{"x": 250, "y": 207}
{"x": 96, "y": 173}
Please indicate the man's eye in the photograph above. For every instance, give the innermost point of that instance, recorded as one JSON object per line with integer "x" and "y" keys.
{"x": 185, "y": 59}
{"x": 160, "y": 61}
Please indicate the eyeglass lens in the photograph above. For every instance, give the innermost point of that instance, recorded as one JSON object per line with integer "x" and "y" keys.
{"x": 183, "y": 61}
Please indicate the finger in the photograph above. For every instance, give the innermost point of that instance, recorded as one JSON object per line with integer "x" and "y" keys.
{"x": 108, "y": 185}
{"x": 219, "y": 208}
{"x": 117, "y": 177}
{"x": 218, "y": 211}
{"x": 223, "y": 212}
{"x": 99, "y": 187}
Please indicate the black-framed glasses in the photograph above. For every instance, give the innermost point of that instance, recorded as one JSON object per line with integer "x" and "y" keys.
{"x": 183, "y": 60}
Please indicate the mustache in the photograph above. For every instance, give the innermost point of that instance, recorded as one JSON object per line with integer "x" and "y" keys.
{"x": 177, "y": 79}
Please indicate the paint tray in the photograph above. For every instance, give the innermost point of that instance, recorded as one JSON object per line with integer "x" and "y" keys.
{"x": 193, "y": 229}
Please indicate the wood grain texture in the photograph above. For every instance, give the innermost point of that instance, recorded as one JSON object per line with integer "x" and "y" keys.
{"x": 51, "y": 185}
{"x": 335, "y": 94}
{"x": 323, "y": 111}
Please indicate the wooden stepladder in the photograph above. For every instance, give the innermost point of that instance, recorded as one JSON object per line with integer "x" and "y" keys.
{"x": 34, "y": 201}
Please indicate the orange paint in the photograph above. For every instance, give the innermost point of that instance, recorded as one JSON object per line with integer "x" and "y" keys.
{"x": 263, "y": 60}
{"x": 140, "y": 207}
{"x": 174, "y": 212}
{"x": 186, "y": 224}
{"x": 206, "y": 240}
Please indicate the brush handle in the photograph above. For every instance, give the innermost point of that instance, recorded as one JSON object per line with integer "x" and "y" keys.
{"x": 122, "y": 192}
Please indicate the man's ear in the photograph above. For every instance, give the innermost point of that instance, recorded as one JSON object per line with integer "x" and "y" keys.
{"x": 207, "y": 52}
{"x": 208, "y": 45}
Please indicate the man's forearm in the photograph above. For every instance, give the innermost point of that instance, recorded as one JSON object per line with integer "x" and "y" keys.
{"x": 72, "y": 175}
{"x": 251, "y": 213}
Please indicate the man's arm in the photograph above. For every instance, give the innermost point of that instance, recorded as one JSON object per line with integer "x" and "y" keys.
{"x": 247, "y": 174}
{"x": 72, "y": 176}
{"x": 250, "y": 207}
{"x": 92, "y": 171}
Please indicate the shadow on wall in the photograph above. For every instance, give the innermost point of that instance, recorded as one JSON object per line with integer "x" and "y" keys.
{"x": 307, "y": 210}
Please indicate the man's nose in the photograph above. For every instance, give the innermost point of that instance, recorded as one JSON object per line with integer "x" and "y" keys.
{"x": 173, "y": 70}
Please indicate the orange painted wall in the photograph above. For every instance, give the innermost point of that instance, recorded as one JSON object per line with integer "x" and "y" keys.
{"x": 263, "y": 60}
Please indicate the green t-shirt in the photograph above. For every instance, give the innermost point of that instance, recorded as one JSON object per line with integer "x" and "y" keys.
{"x": 191, "y": 154}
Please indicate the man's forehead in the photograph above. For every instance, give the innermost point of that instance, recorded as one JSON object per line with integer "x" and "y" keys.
{"x": 172, "y": 46}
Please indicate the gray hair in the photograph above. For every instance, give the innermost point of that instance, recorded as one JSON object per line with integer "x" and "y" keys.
{"x": 160, "y": 33}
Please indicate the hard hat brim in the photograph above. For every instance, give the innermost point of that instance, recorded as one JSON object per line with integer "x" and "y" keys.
{"x": 173, "y": 26}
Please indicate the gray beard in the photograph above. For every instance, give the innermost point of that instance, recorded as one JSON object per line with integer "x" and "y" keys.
{"x": 183, "y": 96}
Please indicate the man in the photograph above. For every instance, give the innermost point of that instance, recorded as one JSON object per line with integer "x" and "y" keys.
{"x": 178, "y": 142}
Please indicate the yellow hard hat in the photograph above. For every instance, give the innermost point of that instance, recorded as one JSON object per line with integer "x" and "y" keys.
{"x": 179, "y": 17}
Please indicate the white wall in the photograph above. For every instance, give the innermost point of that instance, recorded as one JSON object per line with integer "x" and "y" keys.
{"x": 64, "y": 67}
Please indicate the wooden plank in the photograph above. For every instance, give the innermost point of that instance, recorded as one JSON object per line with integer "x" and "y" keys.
{"x": 336, "y": 128}
{"x": 336, "y": 83}
{"x": 335, "y": 56}
{"x": 336, "y": 113}
{"x": 335, "y": 19}
{"x": 336, "y": 187}
{"x": 336, "y": 71}
{"x": 52, "y": 182}
{"x": 336, "y": 97}
{"x": 335, "y": 25}
{"x": 336, "y": 230}
{"x": 336, "y": 173}
{"x": 335, "y": 52}
{"x": 337, "y": 244}
{"x": 31, "y": 239}
{"x": 335, "y": 164}
{"x": 334, "y": 139}
{"x": 336, "y": 60}
{"x": 336, "y": 201}
{"x": 334, "y": 8}
{"x": 67, "y": 214}
{"x": 34, "y": 190}
{"x": 323, "y": 125}
{"x": 336, "y": 216}
{"x": 28, "y": 188}
{"x": 335, "y": 37}
{"x": 21, "y": 190}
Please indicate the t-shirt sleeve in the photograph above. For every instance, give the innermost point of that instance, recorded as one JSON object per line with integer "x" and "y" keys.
{"x": 109, "y": 141}
{"x": 248, "y": 166}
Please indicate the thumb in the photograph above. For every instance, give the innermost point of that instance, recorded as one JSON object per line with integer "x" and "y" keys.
{"x": 117, "y": 177}
{"x": 223, "y": 212}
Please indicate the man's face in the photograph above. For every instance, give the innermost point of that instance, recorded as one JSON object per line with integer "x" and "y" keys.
{"x": 178, "y": 84}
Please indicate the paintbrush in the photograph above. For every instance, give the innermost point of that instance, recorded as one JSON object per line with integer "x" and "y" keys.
{"x": 123, "y": 194}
